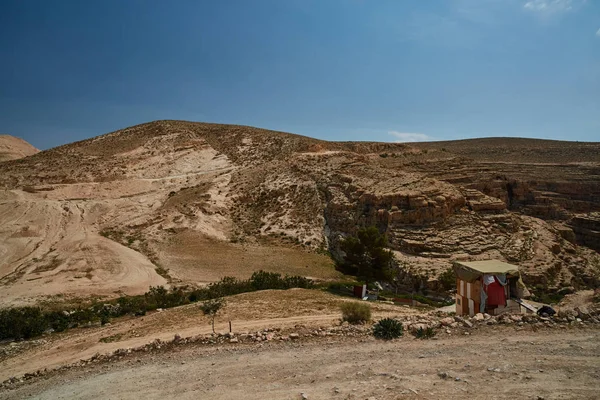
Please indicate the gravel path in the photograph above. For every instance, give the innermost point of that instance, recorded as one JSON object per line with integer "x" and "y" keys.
{"x": 494, "y": 363}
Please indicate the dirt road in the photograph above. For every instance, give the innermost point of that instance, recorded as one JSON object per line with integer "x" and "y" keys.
{"x": 495, "y": 363}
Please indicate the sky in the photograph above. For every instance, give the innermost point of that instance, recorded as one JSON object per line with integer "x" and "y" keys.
{"x": 386, "y": 70}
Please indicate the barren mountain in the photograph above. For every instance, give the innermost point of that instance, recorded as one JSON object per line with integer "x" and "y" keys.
{"x": 197, "y": 201}
{"x": 12, "y": 148}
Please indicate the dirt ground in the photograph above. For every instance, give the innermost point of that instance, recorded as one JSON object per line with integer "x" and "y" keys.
{"x": 247, "y": 311}
{"x": 494, "y": 363}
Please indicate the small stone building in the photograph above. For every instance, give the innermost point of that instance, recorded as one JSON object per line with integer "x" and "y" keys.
{"x": 489, "y": 286}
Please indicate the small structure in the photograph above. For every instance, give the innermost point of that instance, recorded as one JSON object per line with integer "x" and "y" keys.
{"x": 489, "y": 286}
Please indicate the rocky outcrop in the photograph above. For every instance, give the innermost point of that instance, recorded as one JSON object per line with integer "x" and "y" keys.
{"x": 587, "y": 229}
{"x": 478, "y": 201}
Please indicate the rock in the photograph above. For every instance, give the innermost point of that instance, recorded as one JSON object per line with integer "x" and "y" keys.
{"x": 303, "y": 396}
{"x": 478, "y": 317}
{"x": 416, "y": 327}
{"x": 447, "y": 321}
{"x": 468, "y": 324}
{"x": 294, "y": 336}
{"x": 234, "y": 340}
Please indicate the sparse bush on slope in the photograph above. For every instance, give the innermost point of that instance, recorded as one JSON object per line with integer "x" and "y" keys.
{"x": 355, "y": 312}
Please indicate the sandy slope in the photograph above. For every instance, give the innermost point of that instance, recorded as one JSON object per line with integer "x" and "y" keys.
{"x": 50, "y": 247}
{"x": 496, "y": 363}
{"x": 13, "y": 148}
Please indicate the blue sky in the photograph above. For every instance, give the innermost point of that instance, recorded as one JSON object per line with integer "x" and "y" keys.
{"x": 338, "y": 70}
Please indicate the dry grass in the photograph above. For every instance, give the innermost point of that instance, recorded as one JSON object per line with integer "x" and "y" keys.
{"x": 195, "y": 258}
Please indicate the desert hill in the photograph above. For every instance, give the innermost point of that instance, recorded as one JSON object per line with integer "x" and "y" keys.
{"x": 184, "y": 202}
{"x": 12, "y": 148}
{"x": 514, "y": 149}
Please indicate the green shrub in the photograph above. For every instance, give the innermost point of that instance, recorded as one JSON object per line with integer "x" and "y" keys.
{"x": 59, "y": 320}
{"x": 263, "y": 280}
{"x": 424, "y": 333}
{"x": 448, "y": 279}
{"x": 388, "y": 328}
{"x": 134, "y": 305}
{"x": 298, "y": 282}
{"x": 22, "y": 323}
{"x": 355, "y": 312}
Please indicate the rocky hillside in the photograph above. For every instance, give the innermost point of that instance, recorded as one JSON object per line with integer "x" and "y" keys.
{"x": 12, "y": 148}
{"x": 191, "y": 202}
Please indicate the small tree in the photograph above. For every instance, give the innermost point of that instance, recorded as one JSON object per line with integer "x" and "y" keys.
{"x": 367, "y": 256}
{"x": 211, "y": 308}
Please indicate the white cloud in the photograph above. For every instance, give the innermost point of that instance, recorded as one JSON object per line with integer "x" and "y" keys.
{"x": 552, "y": 6}
{"x": 410, "y": 137}
{"x": 598, "y": 33}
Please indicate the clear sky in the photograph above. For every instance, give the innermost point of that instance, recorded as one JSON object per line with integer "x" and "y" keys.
{"x": 338, "y": 70}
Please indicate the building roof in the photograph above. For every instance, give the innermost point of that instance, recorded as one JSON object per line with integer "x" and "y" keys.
{"x": 489, "y": 266}
{"x": 473, "y": 270}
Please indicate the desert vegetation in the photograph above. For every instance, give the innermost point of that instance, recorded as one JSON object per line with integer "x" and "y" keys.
{"x": 28, "y": 322}
{"x": 355, "y": 312}
{"x": 366, "y": 255}
{"x": 388, "y": 328}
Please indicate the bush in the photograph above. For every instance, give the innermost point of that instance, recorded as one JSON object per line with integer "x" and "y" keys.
{"x": 22, "y": 323}
{"x": 424, "y": 333}
{"x": 355, "y": 312}
{"x": 388, "y": 328}
{"x": 59, "y": 320}
{"x": 448, "y": 279}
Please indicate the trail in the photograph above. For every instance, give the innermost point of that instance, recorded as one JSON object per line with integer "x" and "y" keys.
{"x": 498, "y": 363}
